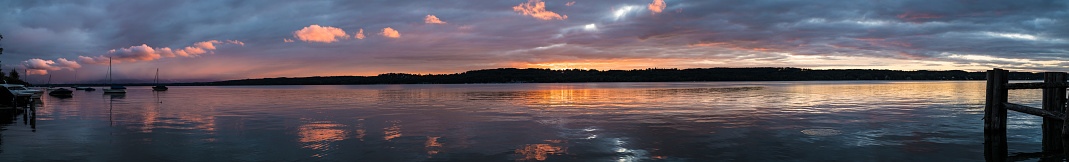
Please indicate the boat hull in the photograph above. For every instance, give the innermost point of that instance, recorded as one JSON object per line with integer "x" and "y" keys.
{"x": 114, "y": 90}
{"x": 61, "y": 93}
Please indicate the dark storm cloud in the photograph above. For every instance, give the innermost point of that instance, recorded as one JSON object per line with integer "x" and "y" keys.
{"x": 491, "y": 34}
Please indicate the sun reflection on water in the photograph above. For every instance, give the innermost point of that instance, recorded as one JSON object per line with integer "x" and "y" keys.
{"x": 320, "y": 136}
{"x": 540, "y": 151}
{"x": 393, "y": 131}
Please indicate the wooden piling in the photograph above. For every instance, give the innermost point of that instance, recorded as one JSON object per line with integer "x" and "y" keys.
{"x": 995, "y": 148}
{"x": 1053, "y": 101}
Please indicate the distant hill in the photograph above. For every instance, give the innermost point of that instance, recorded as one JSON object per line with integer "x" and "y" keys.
{"x": 532, "y": 75}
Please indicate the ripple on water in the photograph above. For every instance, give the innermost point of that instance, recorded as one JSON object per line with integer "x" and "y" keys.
{"x": 821, "y": 132}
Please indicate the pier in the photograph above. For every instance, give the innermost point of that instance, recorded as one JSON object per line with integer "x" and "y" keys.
{"x": 1055, "y": 130}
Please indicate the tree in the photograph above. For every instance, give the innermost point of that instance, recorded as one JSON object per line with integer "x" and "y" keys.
{"x": 14, "y": 75}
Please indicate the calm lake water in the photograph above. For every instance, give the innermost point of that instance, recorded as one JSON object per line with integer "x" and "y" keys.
{"x": 674, "y": 121}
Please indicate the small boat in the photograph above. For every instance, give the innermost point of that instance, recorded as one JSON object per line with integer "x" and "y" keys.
{"x": 15, "y": 89}
{"x": 22, "y": 89}
{"x": 88, "y": 88}
{"x": 50, "y": 83}
{"x": 61, "y": 92}
{"x": 19, "y": 97}
{"x": 114, "y": 88}
{"x": 158, "y": 87}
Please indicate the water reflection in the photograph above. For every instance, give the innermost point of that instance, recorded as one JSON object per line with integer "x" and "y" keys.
{"x": 393, "y": 131}
{"x": 540, "y": 151}
{"x": 699, "y": 121}
{"x": 320, "y": 135}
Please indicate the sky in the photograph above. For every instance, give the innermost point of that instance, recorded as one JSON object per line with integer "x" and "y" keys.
{"x": 212, "y": 40}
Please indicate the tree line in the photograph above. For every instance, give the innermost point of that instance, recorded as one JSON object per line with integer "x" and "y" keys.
{"x": 535, "y": 75}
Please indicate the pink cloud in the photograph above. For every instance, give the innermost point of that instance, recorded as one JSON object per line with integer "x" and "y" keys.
{"x": 236, "y": 42}
{"x": 359, "y": 34}
{"x": 287, "y": 40}
{"x": 389, "y": 32}
{"x": 67, "y": 64}
{"x": 145, "y": 52}
{"x": 657, "y": 6}
{"x": 431, "y": 19}
{"x": 316, "y": 33}
{"x": 41, "y": 67}
{"x": 537, "y": 9}
{"x": 570, "y": 3}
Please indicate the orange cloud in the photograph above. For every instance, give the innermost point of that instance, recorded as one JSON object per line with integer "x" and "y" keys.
{"x": 145, "y": 53}
{"x": 389, "y": 32}
{"x": 316, "y": 33}
{"x": 236, "y": 42}
{"x": 570, "y": 3}
{"x": 360, "y": 34}
{"x": 287, "y": 40}
{"x": 431, "y": 19}
{"x": 657, "y": 6}
{"x": 537, "y": 9}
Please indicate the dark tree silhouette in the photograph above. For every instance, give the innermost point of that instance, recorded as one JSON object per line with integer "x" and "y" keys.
{"x": 14, "y": 74}
{"x": 514, "y": 75}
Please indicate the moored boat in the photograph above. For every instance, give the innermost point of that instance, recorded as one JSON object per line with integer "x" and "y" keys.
{"x": 158, "y": 87}
{"x": 61, "y": 92}
{"x": 22, "y": 89}
{"x": 114, "y": 88}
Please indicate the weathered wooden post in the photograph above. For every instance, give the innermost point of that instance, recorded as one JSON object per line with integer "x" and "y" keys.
{"x": 1053, "y": 101}
{"x": 995, "y": 148}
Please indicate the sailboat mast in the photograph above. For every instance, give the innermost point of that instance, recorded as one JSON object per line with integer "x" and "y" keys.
{"x": 109, "y": 70}
{"x": 157, "y": 78}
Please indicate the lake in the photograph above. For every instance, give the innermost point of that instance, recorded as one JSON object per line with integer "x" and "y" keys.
{"x": 667, "y": 121}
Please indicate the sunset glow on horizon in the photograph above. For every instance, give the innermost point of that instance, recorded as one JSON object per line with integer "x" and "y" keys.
{"x": 224, "y": 40}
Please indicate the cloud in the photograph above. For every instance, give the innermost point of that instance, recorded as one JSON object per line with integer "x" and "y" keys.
{"x": 537, "y": 9}
{"x": 359, "y": 34}
{"x": 146, "y": 53}
{"x": 316, "y": 33}
{"x": 389, "y": 32}
{"x": 39, "y": 66}
{"x": 67, "y": 64}
{"x": 431, "y": 19}
{"x": 570, "y": 3}
{"x": 287, "y": 40}
{"x": 722, "y": 33}
{"x": 657, "y": 6}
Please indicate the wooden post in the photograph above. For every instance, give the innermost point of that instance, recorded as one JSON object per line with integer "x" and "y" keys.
{"x": 1053, "y": 101}
{"x": 995, "y": 148}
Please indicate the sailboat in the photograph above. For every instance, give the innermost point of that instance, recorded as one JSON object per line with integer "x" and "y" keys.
{"x": 49, "y": 83}
{"x": 76, "y": 87}
{"x": 114, "y": 88}
{"x": 61, "y": 92}
{"x": 158, "y": 87}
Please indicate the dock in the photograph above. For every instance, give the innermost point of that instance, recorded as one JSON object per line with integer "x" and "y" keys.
{"x": 1055, "y": 130}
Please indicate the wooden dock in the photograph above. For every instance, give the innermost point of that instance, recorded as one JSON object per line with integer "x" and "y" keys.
{"x": 1055, "y": 131}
